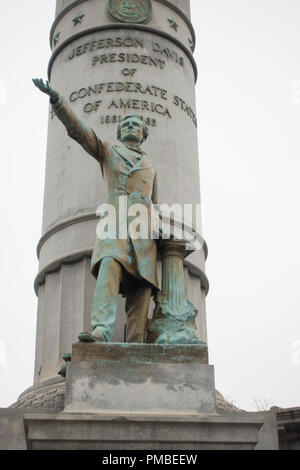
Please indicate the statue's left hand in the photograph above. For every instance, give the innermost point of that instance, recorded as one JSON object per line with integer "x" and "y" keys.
{"x": 46, "y": 88}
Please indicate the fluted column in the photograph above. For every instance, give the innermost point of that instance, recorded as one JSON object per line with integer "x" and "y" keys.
{"x": 174, "y": 316}
{"x": 173, "y": 275}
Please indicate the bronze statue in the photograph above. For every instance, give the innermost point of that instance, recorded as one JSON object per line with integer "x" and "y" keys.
{"x": 127, "y": 266}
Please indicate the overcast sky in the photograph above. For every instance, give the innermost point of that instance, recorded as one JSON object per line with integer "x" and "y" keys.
{"x": 248, "y": 104}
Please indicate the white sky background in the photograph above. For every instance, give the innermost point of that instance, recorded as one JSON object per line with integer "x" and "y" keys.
{"x": 248, "y": 56}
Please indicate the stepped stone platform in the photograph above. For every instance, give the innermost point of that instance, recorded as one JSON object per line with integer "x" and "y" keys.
{"x": 123, "y": 397}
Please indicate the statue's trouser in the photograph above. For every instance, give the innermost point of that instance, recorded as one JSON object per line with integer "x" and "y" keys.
{"x": 105, "y": 304}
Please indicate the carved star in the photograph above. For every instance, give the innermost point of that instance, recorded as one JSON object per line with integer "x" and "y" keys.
{"x": 78, "y": 19}
{"x": 192, "y": 45}
{"x": 173, "y": 24}
{"x": 56, "y": 39}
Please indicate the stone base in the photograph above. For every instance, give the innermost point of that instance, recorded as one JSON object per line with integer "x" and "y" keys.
{"x": 50, "y": 395}
{"x": 66, "y": 431}
{"x": 137, "y": 397}
{"x": 46, "y": 395}
{"x": 140, "y": 378}
{"x": 34, "y": 429}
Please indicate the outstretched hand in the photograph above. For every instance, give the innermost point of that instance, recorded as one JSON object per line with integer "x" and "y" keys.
{"x": 46, "y": 88}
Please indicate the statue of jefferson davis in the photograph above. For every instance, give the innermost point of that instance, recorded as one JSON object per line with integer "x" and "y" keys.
{"x": 129, "y": 265}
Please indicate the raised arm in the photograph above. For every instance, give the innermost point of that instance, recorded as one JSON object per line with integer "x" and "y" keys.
{"x": 85, "y": 136}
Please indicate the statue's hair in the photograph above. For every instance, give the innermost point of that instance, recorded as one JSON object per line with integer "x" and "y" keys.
{"x": 145, "y": 128}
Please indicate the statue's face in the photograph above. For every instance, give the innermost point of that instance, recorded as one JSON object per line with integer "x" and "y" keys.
{"x": 132, "y": 129}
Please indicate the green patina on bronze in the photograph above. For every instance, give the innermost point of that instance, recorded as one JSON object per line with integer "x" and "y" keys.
{"x": 174, "y": 316}
{"x": 56, "y": 39}
{"x": 130, "y": 11}
{"x": 173, "y": 24}
{"x": 128, "y": 265}
{"x": 140, "y": 353}
{"x": 78, "y": 19}
{"x": 63, "y": 370}
{"x": 120, "y": 265}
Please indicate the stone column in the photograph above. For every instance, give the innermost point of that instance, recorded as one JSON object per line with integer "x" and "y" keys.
{"x": 174, "y": 316}
{"x": 173, "y": 254}
{"x": 107, "y": 67}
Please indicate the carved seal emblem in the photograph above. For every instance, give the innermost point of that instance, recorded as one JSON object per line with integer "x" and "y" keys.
{"x": 130, "y": 11}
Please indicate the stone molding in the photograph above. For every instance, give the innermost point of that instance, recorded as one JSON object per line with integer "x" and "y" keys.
{"x": 78, "y": 255}
{"x": 163, "y": 2}
{"x": 63, "y": 224}
{"x": 92, "y": 216}
{"x": 112, "y": 26}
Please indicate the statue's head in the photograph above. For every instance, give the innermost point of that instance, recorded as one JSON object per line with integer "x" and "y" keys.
{"x": 132, "y": 128}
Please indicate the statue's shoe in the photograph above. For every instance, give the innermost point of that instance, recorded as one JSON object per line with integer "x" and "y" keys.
{"x": 63, "y": 371}
{"x": 86, "y": 337}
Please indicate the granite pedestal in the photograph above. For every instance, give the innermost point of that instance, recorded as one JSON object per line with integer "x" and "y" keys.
{"x": 138, "y": 397}
{"x": 142, "y": 397}
{"x": 84, "y": 431}
{"x": 140, "y": 378}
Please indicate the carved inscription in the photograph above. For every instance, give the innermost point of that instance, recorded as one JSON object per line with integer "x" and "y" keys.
{"x": 139, "y": 105}
{"x": 131, "y": 103}
{"x": 108, "y": 87}
{"x": 184, "y": 107}
{"x": 162, "y": 52}
{"x": 167, "y": 53}
{"x": 108, "y": 119}
{"x": 106, "y": 44}
{"x": 129, "y": 59}
{"x": 124, "y": 104}
{"x": 119, "y": 105}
